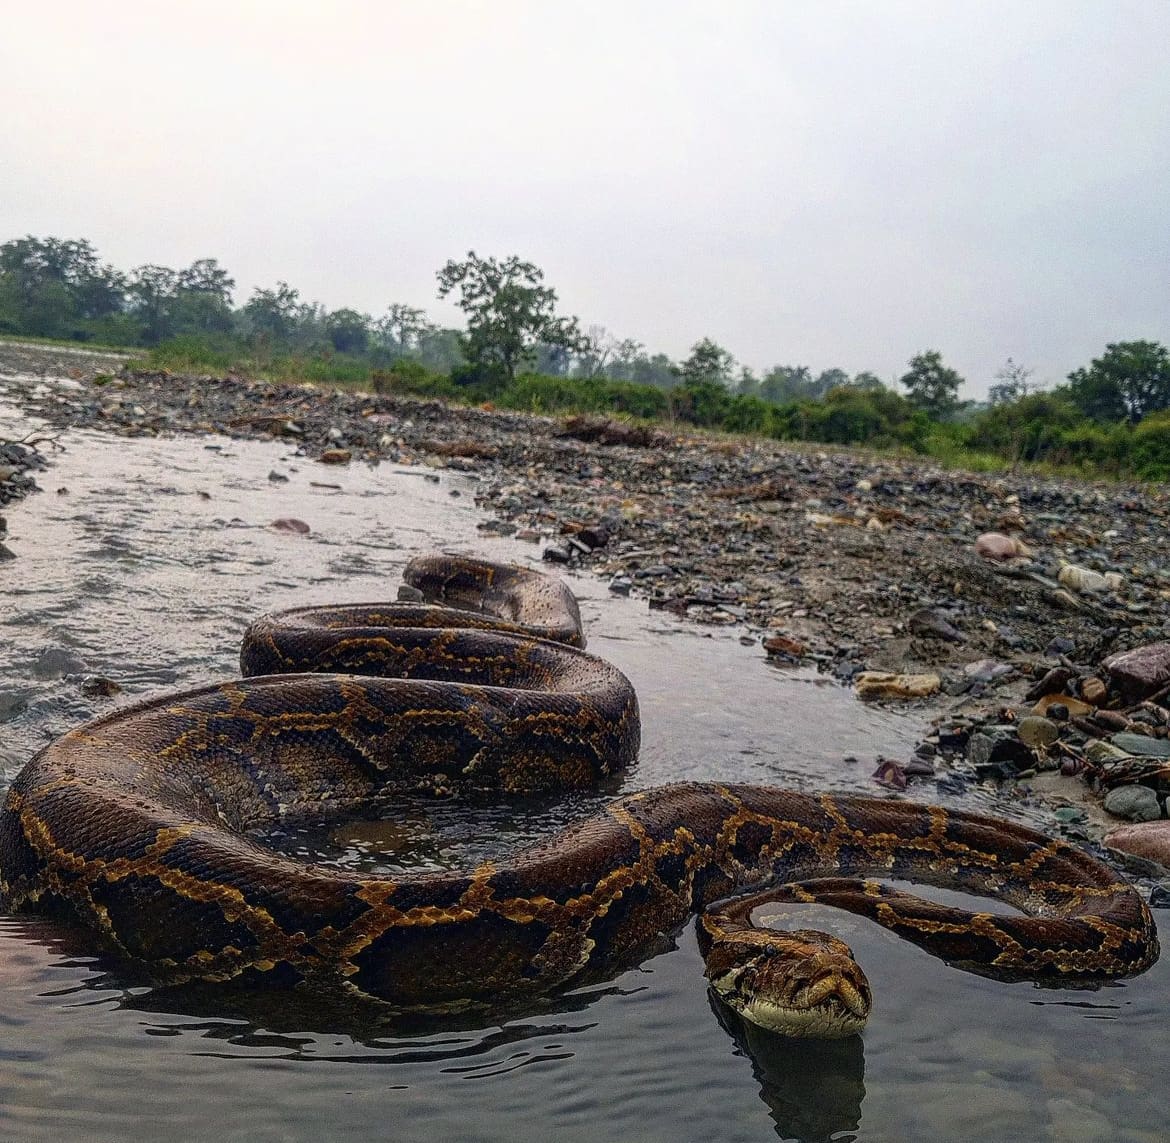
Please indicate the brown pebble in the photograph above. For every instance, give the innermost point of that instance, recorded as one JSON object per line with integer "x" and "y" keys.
{"x": 98, "y": 686}
{"x": 784, "y": 645}
{"x": 290, "y": 524}
{"x": 1093, "y": 690}
{"x": 997, "y": 546}
{"x": 1113, "y": 719}
{"x": 336, "y": 456}
{"x": 1150, "y": 840}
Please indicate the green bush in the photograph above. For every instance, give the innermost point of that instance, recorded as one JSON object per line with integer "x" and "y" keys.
{"x": 1150, "y": 447}
{"x": 406, "y": 376}
{"x": 700, "y": 402}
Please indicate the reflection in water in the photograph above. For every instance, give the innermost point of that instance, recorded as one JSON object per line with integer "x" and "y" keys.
{"x": 813, "y": 1088}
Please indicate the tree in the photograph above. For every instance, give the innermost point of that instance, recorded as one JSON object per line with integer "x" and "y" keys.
{"x": 867, "y": 382}
{"x": 551, "y": 360}
{"x": 748, "y": 384}
{"x": 783, "y": 383}
{"x": 829, "y": 380}
{"x": 658, "y": 370}
{"x": 440, "y": 349}
{"x": 273, "y": 314}
{"x": 509, "y": 312}
{"x": 626, "y": 352}
{"x": 596, "y": 349}
{"x": 1011, "y": 384}
{"x": 401, "y": 329}
{"x": 1128, "y": 381}
{"x": 152, "y": 293}
{"x": 348, "y": 330}
{"x": 931, "y": 386}
{"x": 708, "y": 361}
{"x": 203, "y": 298}
{"x": 53, "y": 287}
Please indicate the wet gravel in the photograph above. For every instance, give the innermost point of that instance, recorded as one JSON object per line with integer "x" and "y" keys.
{"x": 841, "y": 552}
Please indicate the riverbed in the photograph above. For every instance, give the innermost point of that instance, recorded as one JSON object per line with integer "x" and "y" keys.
{"x": 141, "y": 562}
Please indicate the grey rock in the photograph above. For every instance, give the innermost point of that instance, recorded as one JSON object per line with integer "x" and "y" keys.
{"x": 1037, "y": 731}
{"x": 995, "y": 752}
{"x": 1135, "y": 803}
{"x": 1141, "y": 744}
{"x": 932, "y": 623}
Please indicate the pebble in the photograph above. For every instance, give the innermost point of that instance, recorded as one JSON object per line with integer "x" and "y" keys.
{"x": 1087, "y": 581}
{"x": 98, "y": 686}
{"x": 1149, "y": 840}
{"x": 998, "y": 547}
{"x": 1094, "y": 691}
{"x": 291, "y": 525}
{"x": 996, "y": 752}
{"x": 885, "y": 684}
{"x": 932, "y": 623}
{"x": 784, "y": 645}
{"x": 1036, "y": 731}
{"x": 1135, "y": 803}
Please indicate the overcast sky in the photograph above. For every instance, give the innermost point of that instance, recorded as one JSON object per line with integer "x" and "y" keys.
{"x": 821, "y": 183}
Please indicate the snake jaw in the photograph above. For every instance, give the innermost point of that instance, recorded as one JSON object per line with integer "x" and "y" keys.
{"x": 802, "y": 984}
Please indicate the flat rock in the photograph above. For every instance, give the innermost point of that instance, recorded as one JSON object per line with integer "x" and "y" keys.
{"x": 1141, "y": 745}
{"x": 1150, "y": 840}
{"x": 884, "y": 684}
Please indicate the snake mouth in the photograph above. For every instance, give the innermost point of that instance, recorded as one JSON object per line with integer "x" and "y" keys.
{"x": 833, "y": 1016}
{"x": 828, "y": 1008}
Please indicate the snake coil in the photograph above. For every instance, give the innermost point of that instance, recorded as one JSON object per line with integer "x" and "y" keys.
{"x": 141, "y": 824}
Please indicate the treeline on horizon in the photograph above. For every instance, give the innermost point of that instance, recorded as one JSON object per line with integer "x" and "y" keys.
{"x": 1111, "y": 416}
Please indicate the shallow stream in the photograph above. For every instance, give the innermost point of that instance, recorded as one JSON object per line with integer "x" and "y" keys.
{"x": 143, "y": 560}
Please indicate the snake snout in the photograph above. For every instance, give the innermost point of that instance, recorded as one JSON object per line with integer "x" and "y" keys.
{"x": 801, "y": 983}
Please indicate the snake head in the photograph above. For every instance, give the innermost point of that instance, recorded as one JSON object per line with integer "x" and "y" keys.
{"x": 801, "y": 983}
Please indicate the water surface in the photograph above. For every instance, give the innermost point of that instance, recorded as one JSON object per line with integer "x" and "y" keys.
{"x": 142, "y": 561}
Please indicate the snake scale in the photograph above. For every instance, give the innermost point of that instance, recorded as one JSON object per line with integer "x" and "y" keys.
{"x": 143, "y": 825}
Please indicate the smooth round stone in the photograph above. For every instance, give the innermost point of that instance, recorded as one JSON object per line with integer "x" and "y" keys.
{"x": 1037, "y": 731}
{"x": 1150, "y": 840}
{"x": 1136, "y": 803}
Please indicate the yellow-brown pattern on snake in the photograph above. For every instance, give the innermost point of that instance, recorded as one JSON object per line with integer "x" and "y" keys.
{"x": 138, "y": 823}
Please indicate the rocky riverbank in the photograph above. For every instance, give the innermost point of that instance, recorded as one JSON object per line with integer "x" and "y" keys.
{"x": 866, "y": 565}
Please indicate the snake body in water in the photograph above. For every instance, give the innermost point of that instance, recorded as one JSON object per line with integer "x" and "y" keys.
{"x": 143, "y": 825}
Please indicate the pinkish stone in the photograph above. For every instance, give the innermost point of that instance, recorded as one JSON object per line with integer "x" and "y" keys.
{"x": 1140, "y": 672}
{"x": 997, "y": 546}
{"x": 1150, "y": 840}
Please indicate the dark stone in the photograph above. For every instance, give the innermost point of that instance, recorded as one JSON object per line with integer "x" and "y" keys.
{"x": 996, "y": 752}
{"x": 932, "y": 623}
{"x": 1139, "y": 672}
{"x": 1051, "y": 683}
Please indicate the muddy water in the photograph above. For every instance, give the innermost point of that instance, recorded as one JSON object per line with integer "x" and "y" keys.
{"x": 143, "y": 561}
